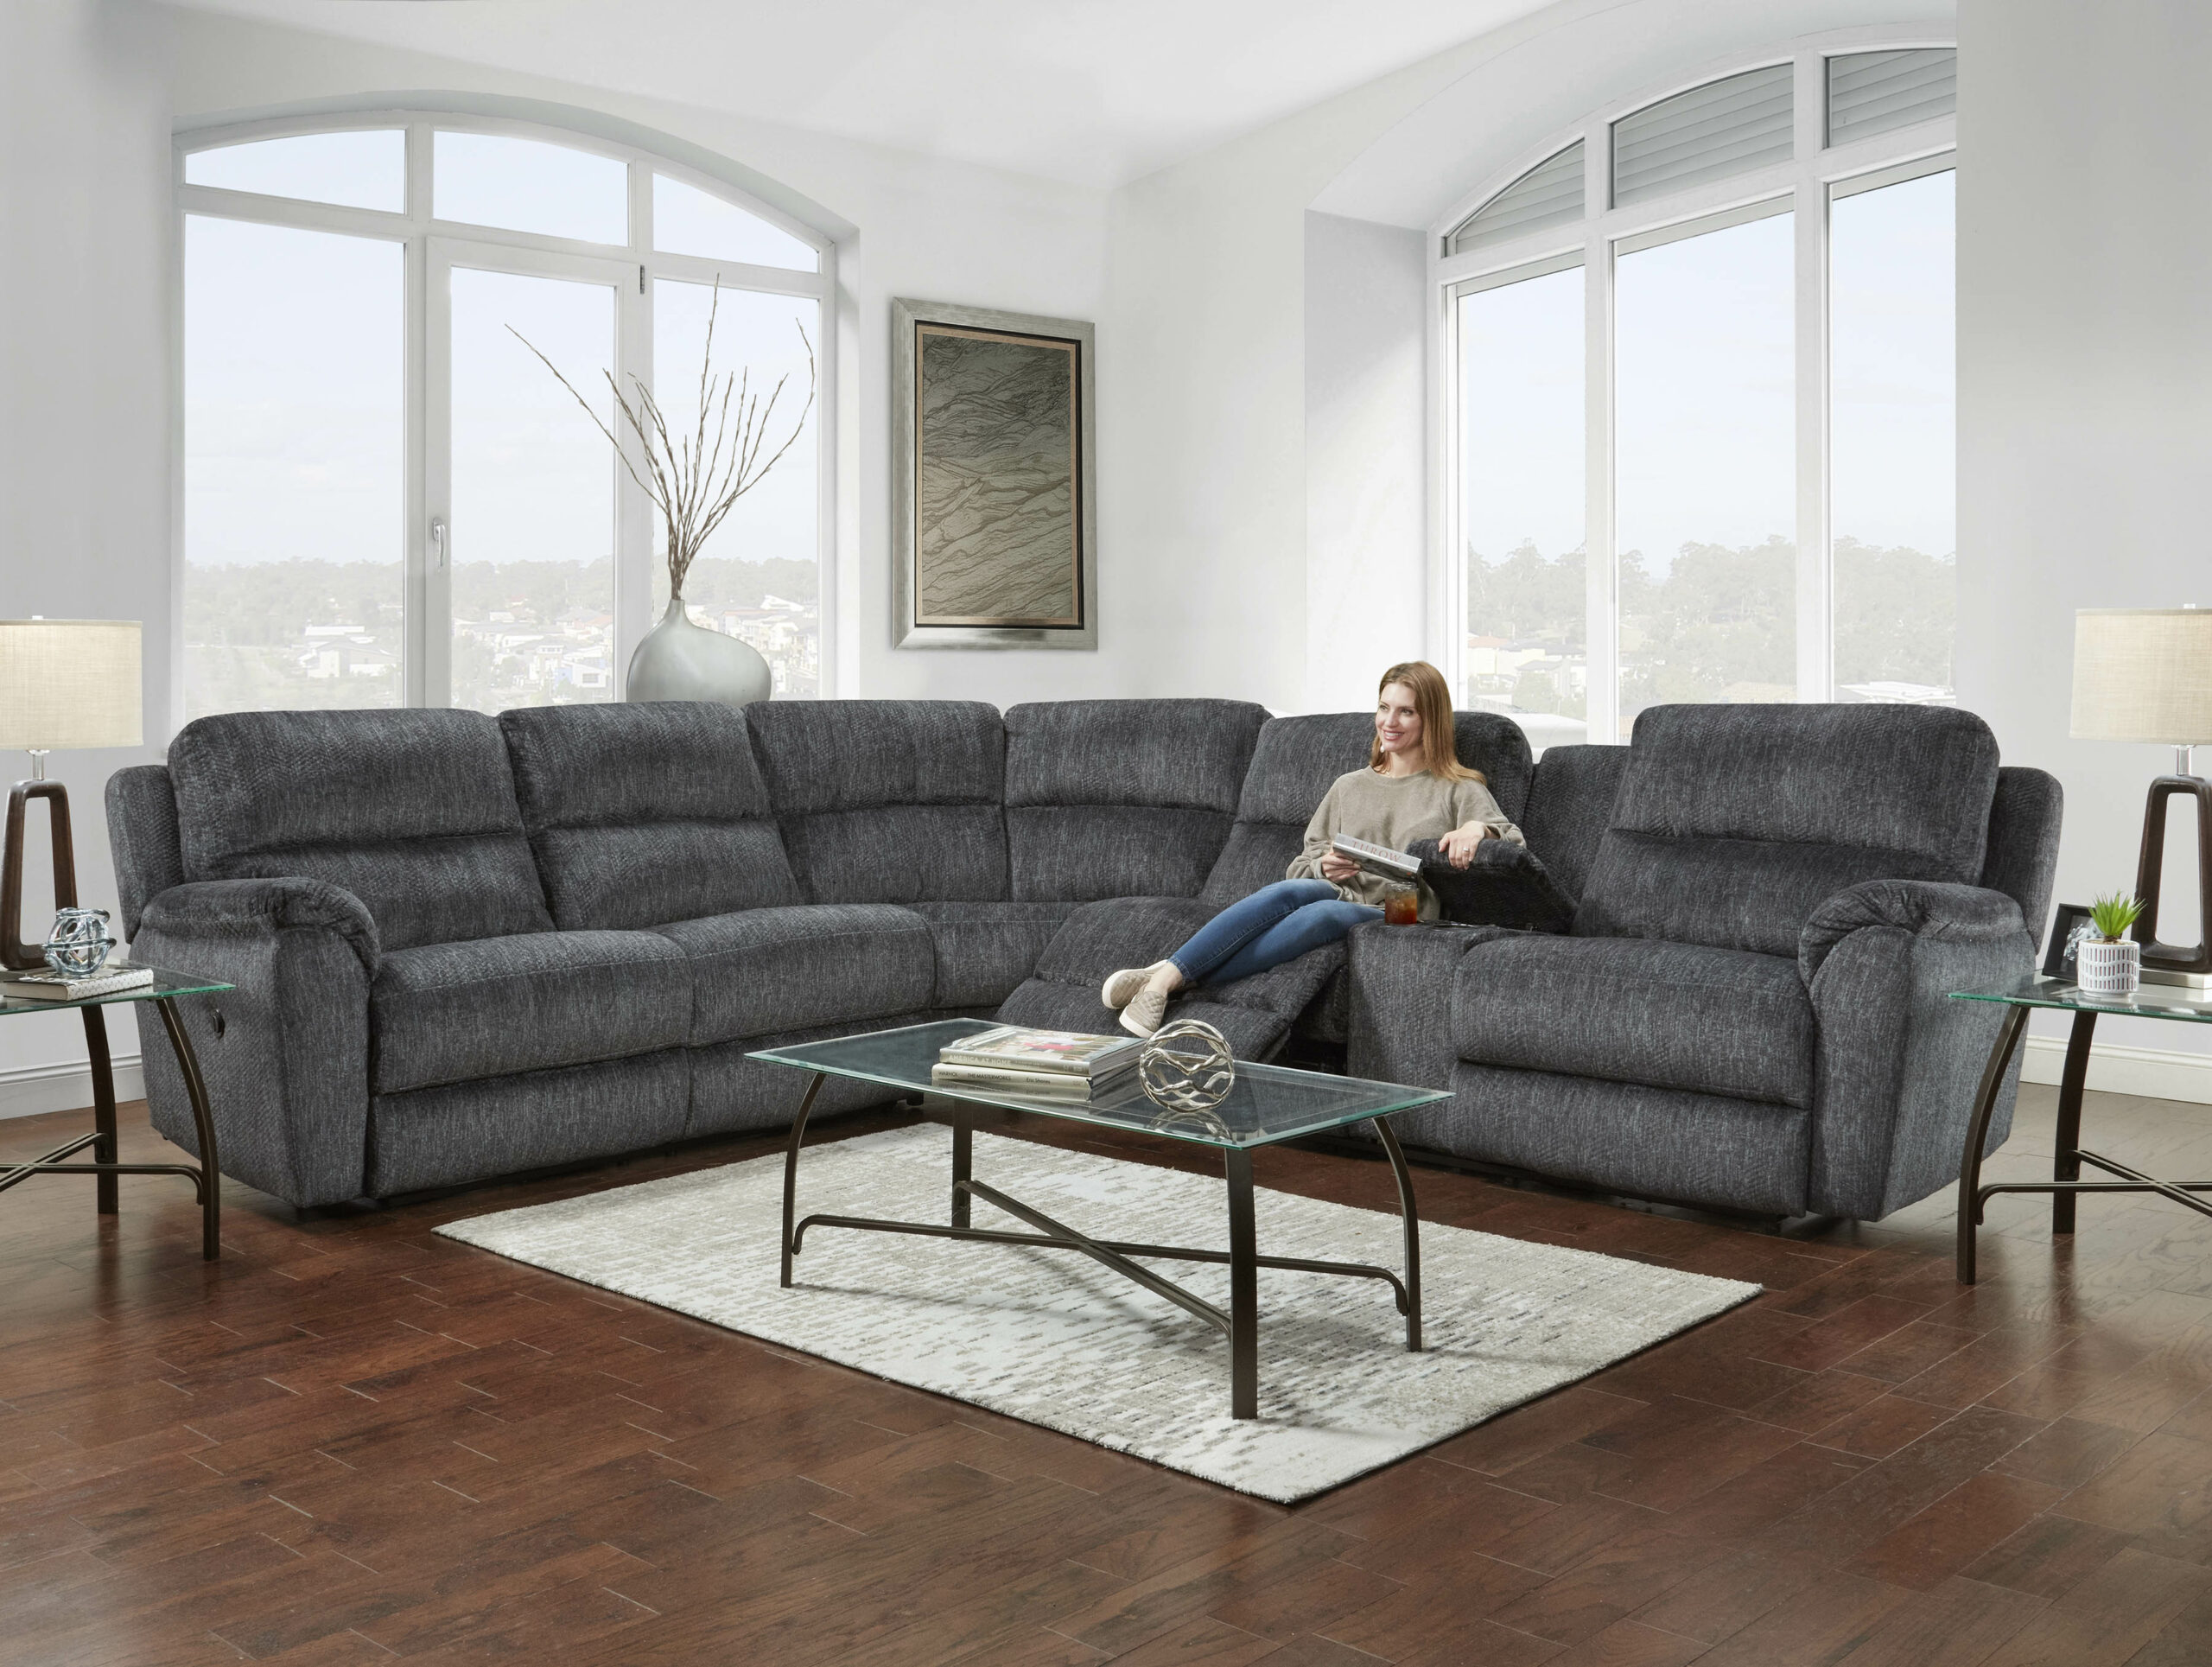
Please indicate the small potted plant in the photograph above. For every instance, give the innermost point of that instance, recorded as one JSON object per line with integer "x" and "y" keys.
{"x": 2110, "y": 962}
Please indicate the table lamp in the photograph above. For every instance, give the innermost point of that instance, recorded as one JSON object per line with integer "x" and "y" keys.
{"x": 63, "y": 683}
{"x": 2146, "y": 674}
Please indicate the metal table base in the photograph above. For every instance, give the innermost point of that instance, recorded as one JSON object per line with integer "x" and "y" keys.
{"x": 2069, "y": 1155}
{"x": 1240, "y": 1324}
{"x": 204, "y": 1176}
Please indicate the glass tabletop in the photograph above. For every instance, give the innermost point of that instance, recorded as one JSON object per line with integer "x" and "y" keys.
{"x": 1268, "y": 1103}
{"x": 2147, "y": 1001}
{"x": 165, "y": 983}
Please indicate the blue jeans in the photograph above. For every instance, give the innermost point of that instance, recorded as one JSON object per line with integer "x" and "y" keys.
{"x": 1275, "y": 924}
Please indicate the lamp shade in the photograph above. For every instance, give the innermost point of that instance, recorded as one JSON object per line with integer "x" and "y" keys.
{"x": 2143, "y": 674}
{"x": 69, "y": 683}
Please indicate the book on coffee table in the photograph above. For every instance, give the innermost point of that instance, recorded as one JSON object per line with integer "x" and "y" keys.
{"x": 1064, "y": 1053}
{"x": 1046, "y": 1085}
{"x": 46, "y": 986}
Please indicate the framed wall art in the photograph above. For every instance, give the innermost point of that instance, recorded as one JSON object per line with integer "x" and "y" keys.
{"x": 994, "y": 524}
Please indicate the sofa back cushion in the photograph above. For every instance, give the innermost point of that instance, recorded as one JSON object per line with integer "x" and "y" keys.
{"x": 1123, "y": 798}
{"x": 413, "y": 812}
{"x": 1734, "y": 822}
{"x": 886, "y": 801}
{"x": 1297, "y": 758}
{"x": 641, "y": 815}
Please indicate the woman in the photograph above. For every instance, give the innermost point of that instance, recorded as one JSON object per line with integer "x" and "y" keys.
{"x": 1413, "y": 788}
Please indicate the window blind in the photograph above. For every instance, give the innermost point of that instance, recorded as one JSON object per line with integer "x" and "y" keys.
{"x": 1724, "y": 127}
{"x": 1550, "y": 194}
{"x": 1872, "y": 92}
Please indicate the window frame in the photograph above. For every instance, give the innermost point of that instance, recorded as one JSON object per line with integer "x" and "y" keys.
{"x": 426, "y": 600}
{"x": 1805, "y": 185}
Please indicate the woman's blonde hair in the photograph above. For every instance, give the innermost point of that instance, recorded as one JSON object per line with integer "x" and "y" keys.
{"x": 1432, "y": 700}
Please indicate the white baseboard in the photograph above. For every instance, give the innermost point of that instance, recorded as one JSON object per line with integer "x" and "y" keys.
{"x": 2158, "y": 1073}
{"x": 31, "y": 1088}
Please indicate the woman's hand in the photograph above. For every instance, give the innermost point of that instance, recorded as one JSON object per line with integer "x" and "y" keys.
{"x": 1337, "y": 868}
{"x": 1459, "y": 845}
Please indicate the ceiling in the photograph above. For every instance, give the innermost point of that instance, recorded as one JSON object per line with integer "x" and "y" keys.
{"x": 1093, "y": 92}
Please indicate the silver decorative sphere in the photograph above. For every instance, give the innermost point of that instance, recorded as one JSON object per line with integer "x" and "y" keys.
{"x": 1188, "y": 1066}
{"x": 78, "y": 946}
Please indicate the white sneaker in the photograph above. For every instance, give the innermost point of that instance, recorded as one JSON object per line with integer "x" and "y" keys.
{"x": 1145, "y": 1011}
{"x": 1121, "y": 987}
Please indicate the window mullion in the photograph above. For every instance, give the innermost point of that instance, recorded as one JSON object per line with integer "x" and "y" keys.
{"x": 1601, "y": 652}
{"x": 1816, "y": 631}
{"x": 636, "y": 521}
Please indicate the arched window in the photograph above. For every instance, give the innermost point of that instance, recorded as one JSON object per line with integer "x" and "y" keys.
{"x": 1698, "y": 428}
{"x": 387, "y": 499}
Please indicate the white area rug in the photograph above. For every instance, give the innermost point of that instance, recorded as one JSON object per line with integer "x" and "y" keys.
{"x": 1053, "y": 1338}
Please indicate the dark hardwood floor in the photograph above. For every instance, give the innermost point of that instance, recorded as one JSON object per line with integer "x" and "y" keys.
{"x": 350, "y": 1440}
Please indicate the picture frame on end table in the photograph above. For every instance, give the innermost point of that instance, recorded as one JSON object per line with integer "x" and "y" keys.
{"x": 993, "y": 510}
{"x": 2062, "y": 948}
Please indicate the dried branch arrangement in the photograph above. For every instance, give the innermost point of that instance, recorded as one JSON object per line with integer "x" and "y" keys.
{"x": 695, "y": 481}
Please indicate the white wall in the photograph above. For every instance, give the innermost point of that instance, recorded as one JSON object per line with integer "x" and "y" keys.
{"x": 2084, "y": 385}
{"x": 83, "y": 402}
{"x": 1366, "y": 453}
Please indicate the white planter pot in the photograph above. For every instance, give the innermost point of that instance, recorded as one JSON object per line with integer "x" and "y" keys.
{"x": 2109, "y": 968}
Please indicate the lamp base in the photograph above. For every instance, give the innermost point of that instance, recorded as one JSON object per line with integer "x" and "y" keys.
{"x": 2150, "y": 866}
{"x": 17, "y": 955}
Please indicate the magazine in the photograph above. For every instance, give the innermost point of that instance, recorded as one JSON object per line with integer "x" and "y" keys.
{"x": 1376, "y": 859}
{"x": 1062, "y": 1053}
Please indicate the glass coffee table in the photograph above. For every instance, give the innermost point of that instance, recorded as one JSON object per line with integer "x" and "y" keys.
{"x": 204, "y": 1175}
{"x": 1267, "y": 1103}
{"x": 2020, "y": 998}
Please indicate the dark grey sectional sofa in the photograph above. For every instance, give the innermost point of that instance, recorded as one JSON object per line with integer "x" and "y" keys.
{"x": 466, "y": 946}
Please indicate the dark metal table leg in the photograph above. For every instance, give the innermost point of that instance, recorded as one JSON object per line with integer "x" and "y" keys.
{"x": 1984, "y": 1105}
{"x": 203, "y": 1125}
{"x": 791, "y": 1168}
{"x": 104, "y": 1149}
{"x": 2066, "y": 1163}
{"x": 963, "y": 1160}
{"x": 1243, "y": 1291}
{"x": 1412, "y": 1232}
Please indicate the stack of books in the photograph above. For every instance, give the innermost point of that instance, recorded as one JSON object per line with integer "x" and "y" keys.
{"x": 1057, "y": 1065}
{"x": 44, "y": 986}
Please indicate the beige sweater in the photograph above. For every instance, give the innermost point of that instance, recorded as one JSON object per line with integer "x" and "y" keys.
{"x": 1395, "y": 810}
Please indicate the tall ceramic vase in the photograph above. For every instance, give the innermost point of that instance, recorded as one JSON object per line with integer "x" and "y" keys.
{"x": 679, "y": 660}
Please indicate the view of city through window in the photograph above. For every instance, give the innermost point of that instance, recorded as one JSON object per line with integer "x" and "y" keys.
{"x": 294, "y": 591}
{"x": 1704, "y": 474}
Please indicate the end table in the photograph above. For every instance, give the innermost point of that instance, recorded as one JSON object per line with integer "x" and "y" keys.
{"x": 205, "y": 1176}
{"x": 2031, "y": 991}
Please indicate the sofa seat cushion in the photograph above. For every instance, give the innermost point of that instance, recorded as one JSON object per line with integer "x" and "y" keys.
{"x": 450, "y": 1013}
{"x": 1637, "y": 1010}
{"x": 764, "y": 971}
{"x": 984, "y": 951}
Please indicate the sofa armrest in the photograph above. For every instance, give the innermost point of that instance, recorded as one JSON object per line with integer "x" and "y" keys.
{"x": 285, "y": 1053}
{"x": 1896, "y": 1061}
{"x": 1963, "y": 915}
{"x": 232, "y": 908}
